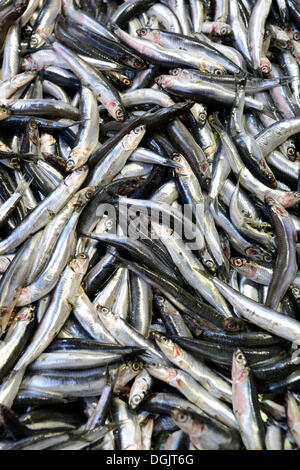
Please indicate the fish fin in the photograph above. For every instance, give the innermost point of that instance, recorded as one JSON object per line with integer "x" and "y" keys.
{"x": 215, "y": 122}
{"x": 23, "y": 186}
{"x": 172, "y": 164}
{"x": 268, "y": 111}
{"x": 286, "y": 80}
{"x": 48, "y": 38}
{"x": 241, "y": 79}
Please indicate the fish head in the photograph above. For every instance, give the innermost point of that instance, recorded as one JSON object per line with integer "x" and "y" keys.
{"x": 22, "y": 79}
{"x": 233, "y": 324}
{"x": 138, "y": 390}
{"x": 135, "y": 62}
{"x": 131, "y": 140}
{"x": 80, "y": 263}
{"x": 208, "y": 261}
{"x": 127, "y": 371}
{"x": 161, "y": 230}
{"x": 164, "y": 80}
{"x": 36, "y": 41}
{"x": 270, "y": 177}
{"x": 241, "y": 264}
{"x": 149, "y": 34}
{"x": 107, "y": 316}
{"x": 78, "y": 156}
{"x": 135, "y": 398}
{"x": 275, "y": 207}
{"x": 265, "y": 66}
{"x": 193, "y": 426}
{"x": 161, "y": 372}
{"x": 240, "y": 371}
{"x": 76, "y": 178}
{"x": 199, "y": 111}
{"x": 258, "y": 253}
{"x": 222, "y": 29}
{"x": 28, "y": 63}
{"x": 183, "y": 419}
{"x": 4, "y": 263}
{"x": 183, "y": 167}
{"x": 82, "y": 197}
{"x": 180, "y": 73}
{"x": 4, "y": 112}
{"x": 114, "y": 107}
{"x": 164, "y": 343}
{"x": 25, "y": 314}
{"x": 290, "y": 199}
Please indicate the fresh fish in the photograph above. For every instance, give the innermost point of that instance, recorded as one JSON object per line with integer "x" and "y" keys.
{"x": 245, "y": 403}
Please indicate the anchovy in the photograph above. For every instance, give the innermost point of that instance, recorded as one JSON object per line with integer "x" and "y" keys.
{"x": 245, "y": 403}
{"x": 268, "y": 319}
{"x": 194, "y": 392}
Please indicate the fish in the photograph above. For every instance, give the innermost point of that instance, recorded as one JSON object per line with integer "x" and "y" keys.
{"x": 245, "y": 403}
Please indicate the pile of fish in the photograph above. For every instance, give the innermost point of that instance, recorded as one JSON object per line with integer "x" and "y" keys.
{"x": 150, "y": 231}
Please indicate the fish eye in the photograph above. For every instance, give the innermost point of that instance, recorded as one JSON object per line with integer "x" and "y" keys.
{"x": 70, "y": 164}
{"x": 34, "y": 41}
{"x": 89, "y": 194}
{"x": 136, "y": 399}
{"x": 182, "y": 417}
{"x": 238, "y": 262}
{"x": 27, "y": 29}
{"x": 231, "y": 324}
{"x": 119, "y": 114}
{"x": 102, "y": 309}
{"x": 82, "y": 256}
{"x": 135, "y": 366}
{"x": 15, "y": 163}
{"x": 265, "y": 68}
{"x": 142, "y": 32}
{"x": 218, "y": 72}
{"x": 291, "y": 151}
{"x": 138, "y": 64}
{"x": 239, "y": 357}
{"x": 268, "y": 258}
